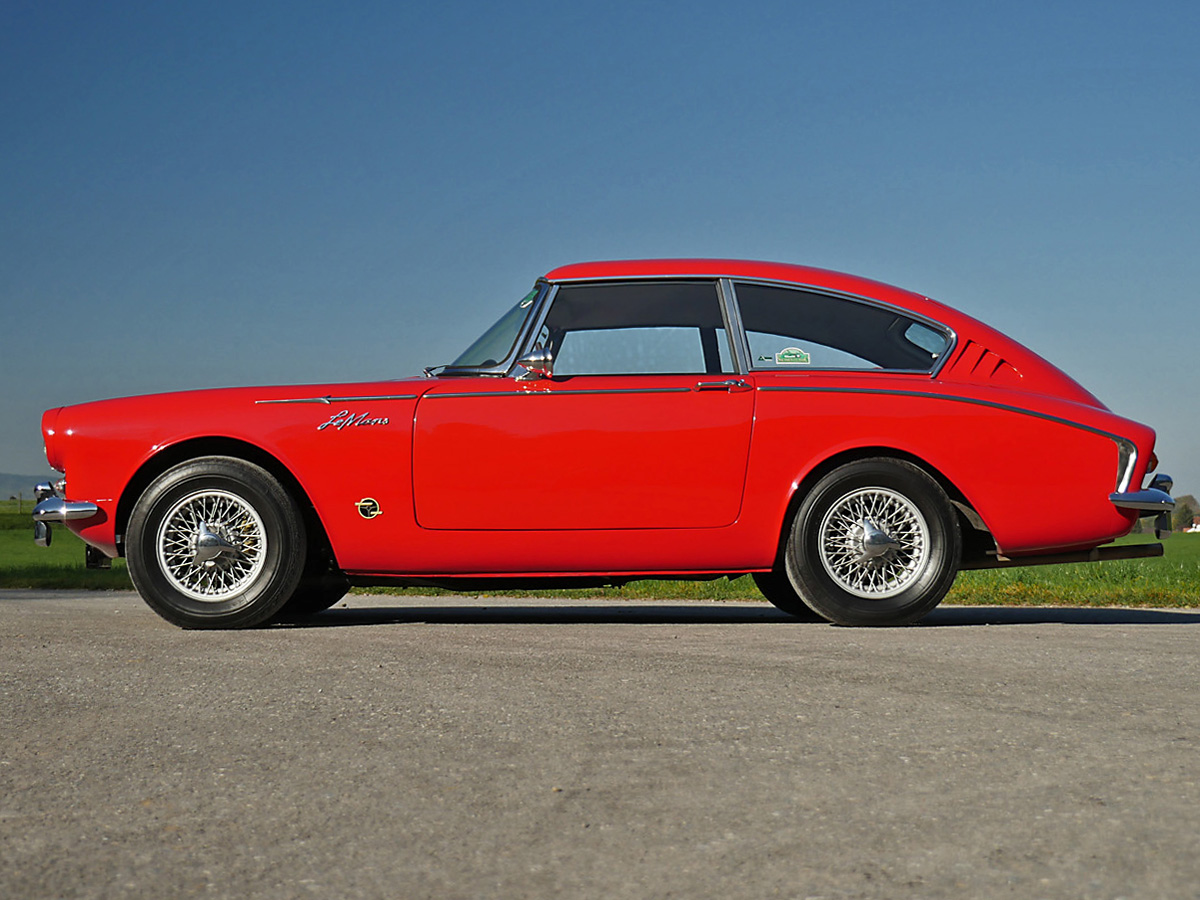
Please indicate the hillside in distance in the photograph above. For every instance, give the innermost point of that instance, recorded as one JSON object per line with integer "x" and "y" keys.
{"x": 12, "y": 485}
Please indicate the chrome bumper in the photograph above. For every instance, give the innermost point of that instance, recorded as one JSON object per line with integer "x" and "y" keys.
{"x": 1152, "y": 501}
{"x": 53, "y": 508}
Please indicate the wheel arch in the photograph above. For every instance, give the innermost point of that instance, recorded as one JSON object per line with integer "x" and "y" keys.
{"x": 183, "y": 451}
{"x": 976, "y": 541}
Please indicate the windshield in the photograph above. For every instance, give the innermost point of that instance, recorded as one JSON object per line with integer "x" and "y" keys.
{"x": 497, "y": 342}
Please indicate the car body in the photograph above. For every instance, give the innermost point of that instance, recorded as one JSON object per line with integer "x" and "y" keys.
{"x": 849, "y": 443}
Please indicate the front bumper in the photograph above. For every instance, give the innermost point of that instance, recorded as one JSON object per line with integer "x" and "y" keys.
{"x": 52, "y": 507}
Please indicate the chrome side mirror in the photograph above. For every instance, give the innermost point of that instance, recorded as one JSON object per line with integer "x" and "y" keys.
{"x": 538, "y": 363}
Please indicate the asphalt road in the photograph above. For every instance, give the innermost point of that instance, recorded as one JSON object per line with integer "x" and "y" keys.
{"x": 462, "y": 748}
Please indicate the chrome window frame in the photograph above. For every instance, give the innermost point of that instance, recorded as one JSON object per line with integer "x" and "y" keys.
{"x": 732, "y": 314}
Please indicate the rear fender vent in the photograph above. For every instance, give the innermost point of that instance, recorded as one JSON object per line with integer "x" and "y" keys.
{"x": 980, "y": 365}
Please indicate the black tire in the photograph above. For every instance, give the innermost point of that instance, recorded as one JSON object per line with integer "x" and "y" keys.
{"x": 875, "y": 542}
{"x": 315, "y": 594}
{"x": 215, "y": 542}
{"x": 777, "y": 587}
{"x": 321, "y": 585}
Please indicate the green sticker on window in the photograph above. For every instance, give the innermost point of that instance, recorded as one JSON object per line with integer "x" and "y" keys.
{"x": 792, "y": 356}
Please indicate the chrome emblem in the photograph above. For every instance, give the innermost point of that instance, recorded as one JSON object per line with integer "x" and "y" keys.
{"x": 368, "y": 508}
{"x": 347, "y": 419}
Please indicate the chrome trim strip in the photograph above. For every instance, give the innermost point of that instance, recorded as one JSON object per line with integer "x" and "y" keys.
{"x": 630, "y": 279}
{"x": 55, "y": 509}
{"x": 326, "y": 400}
{"x": 559, "y": 393}
{"x": 935, "y": 396}
{"x": 1127, "y": 458}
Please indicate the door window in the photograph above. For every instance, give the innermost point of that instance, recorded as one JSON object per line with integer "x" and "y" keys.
{"x": 637, "y": 329}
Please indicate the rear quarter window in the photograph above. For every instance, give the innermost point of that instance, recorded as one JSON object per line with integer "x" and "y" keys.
{"x": 795, "y": 329}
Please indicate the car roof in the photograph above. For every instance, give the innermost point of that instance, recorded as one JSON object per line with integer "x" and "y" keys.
{"x": 810, "y": 276}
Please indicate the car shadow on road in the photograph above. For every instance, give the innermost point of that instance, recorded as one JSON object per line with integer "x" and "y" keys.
{"x": 568, "y": 614}
{"x": 952, "y": 616}
{"x": 715, "y": 614}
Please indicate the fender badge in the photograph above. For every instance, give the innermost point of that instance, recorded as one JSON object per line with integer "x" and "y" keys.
{"x": 368, "y": 508}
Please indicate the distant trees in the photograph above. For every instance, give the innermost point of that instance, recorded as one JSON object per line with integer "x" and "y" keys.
{"x": 1184, "y": 513}
{"x": 1186, "y": 508}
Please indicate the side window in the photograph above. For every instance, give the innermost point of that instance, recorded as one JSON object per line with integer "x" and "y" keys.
{"x": 792, "y": 329}
{"x": 637, "y": 329}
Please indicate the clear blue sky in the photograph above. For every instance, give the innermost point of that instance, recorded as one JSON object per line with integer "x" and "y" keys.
{"x": 221, "y": 193}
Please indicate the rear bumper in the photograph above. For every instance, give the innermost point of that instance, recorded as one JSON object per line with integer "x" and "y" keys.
{"x": 1148, "y": 501}
{"x": 1152, "y": 501}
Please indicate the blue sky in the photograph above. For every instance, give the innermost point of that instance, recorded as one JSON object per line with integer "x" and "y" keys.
{"x": 210, "y": 194}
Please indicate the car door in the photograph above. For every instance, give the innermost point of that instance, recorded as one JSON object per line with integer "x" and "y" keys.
{"x": 643, "y": 424}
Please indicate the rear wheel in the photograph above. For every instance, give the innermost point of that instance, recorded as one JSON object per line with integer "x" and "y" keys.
{"x": 875, "y": 542}
{"x": 215, "y": 543}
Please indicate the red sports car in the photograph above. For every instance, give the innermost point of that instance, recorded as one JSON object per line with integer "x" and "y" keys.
{"x": 849, "y": 444}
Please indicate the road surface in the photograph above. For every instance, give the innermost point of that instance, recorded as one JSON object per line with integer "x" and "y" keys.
{"x": 483, "y": 747}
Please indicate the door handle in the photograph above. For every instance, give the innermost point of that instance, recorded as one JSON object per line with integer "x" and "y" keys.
{"x": 732, "y": 385}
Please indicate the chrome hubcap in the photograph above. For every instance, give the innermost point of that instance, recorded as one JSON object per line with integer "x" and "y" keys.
{"x": 874, "y": 543}
{"x": 211, "y": 545}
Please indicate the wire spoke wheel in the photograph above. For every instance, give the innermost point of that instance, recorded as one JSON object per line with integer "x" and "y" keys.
{"x": 873, "y": 542}
{"x": 241, "y": 545}
{"x": 216, "y": 542}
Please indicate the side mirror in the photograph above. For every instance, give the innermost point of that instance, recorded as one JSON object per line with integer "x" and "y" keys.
{"x": 538, "y": 363}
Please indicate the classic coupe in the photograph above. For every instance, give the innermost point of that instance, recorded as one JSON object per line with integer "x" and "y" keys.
{"x": 850, "y": 445}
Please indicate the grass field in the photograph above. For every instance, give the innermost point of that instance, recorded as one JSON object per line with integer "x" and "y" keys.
{"x": 23, "y": 564}
{"x": 1172, "y": 581}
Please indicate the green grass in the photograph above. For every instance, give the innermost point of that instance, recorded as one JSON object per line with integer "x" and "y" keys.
{"x": 1172, "y": 581}
{"x": 23, "y": 564}
{"x": 11, "y": 519}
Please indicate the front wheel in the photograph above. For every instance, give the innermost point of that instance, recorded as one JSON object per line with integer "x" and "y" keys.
{"x": 315, "y": 594}
{"x": 215, "y": 543}
{"x": 875, "y": 542}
